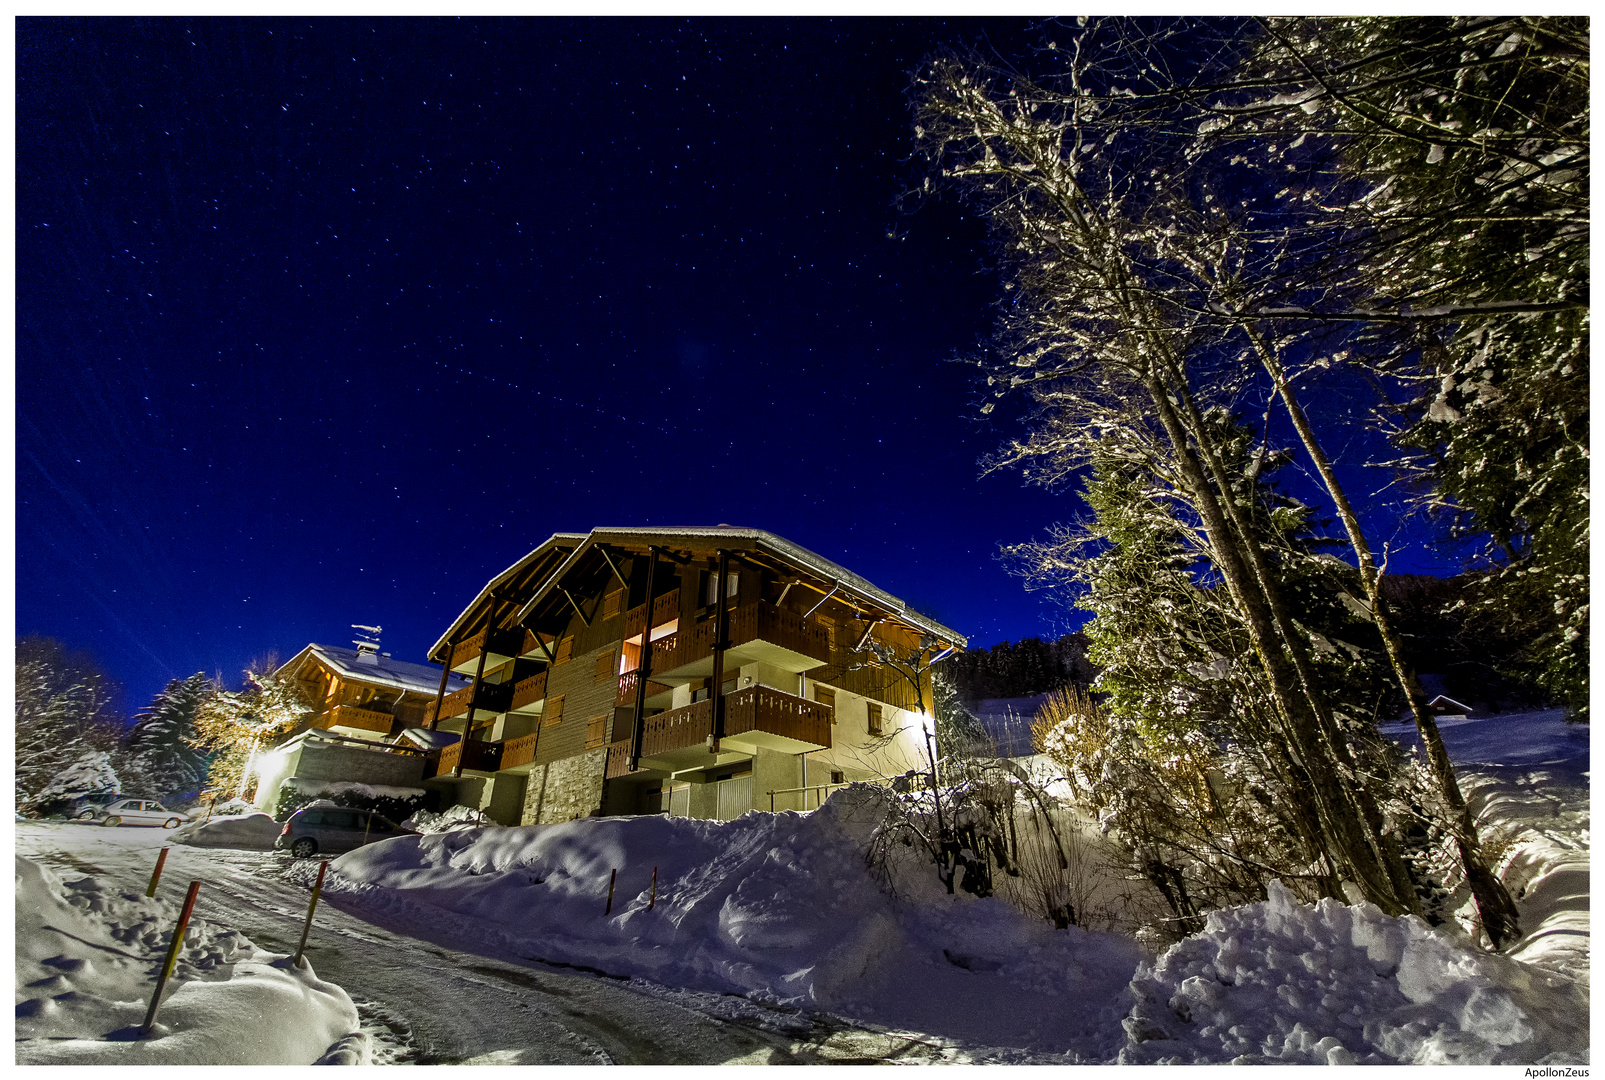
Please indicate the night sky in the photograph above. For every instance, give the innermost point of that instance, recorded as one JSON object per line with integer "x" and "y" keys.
{"x": 328, "y": 322}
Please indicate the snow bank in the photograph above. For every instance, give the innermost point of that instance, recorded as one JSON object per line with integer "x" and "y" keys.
{"x": 329, "y": 789}
{"x": 455, "y": 817}
{"x": 87, "y": 960}
{"x": 256, "y": 831}
{"x": 1330, "y": 984}
{"x": 777, "y": 907}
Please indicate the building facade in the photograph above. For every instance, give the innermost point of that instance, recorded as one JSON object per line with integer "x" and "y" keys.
{"x": 700, "y": 672}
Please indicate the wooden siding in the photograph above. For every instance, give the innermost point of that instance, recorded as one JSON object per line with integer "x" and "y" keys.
{"x": 352, "y": 716}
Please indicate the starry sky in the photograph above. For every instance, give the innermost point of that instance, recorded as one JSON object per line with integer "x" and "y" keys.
{"x": 323, "y": 322}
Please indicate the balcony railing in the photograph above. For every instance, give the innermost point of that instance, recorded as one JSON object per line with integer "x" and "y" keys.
{"x": 520, "y": 751}
{"x": 627, "y": 683}
{"x": 528, "y": 691}
{"x": 352, "y": 716}
{"x": 664, "y": 608}
{"x": 754, "y": 622}
{"x": 757, "y": 708}
{"x": 761, "y": 708}
{"x": 511, "y": 642}
{"x": 481, "y": 756}
{"x": 491, "y": 698}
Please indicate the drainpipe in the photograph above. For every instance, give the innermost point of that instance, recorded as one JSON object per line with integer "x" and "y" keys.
{"x": 721, "y": 627}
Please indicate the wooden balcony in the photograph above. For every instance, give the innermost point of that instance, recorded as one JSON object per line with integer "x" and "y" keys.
{"x": 528, "y": 691}
{"x": 762, "y": 710}
{"x": 353, "y": 716}
{"x": 627, "y": 684}
{"x": 492, "y": 698}
{"x": 758, "y": 631}
{"x": 503, "y": 645}
{"x": 481, "y": 757}
{"x": 755, "y": 717}
{"x": 520, "y": 751}
{"x": 665, "y": 608}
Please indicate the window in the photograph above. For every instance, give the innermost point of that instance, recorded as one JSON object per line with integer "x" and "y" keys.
{"x": 604, "y": 666}
{"x": 554, "y": 711}
{"x": 565, "y": 650}
{"x": 595, "y": 731}
{"x": 827, "y": 697}
{"x": 710, "y": 587}
{"x": 612, "y": 603}
{"x": 837, "y": 777}
{"x": 874, "y": 719}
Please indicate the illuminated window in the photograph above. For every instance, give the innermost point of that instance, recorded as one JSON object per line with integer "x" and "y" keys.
{"x": 710, "y": 588}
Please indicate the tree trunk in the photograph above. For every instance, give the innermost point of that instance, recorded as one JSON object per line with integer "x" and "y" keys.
{"x": 1497, "y": 909}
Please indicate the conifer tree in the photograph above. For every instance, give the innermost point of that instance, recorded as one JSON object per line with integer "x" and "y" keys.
{"x": 162, "y": 743}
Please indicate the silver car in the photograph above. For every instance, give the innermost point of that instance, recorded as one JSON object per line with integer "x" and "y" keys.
{"x": 333, "y": 830}
{"x": 134, "y": 812}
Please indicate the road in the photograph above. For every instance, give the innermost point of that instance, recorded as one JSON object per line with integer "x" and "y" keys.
{"x": 425, "y": 1004}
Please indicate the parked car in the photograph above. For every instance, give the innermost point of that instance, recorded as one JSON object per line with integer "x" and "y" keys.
{"x": 333, "y": 830}
{"x": 134, "y": 812}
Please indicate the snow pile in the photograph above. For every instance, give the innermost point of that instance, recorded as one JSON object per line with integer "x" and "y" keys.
{"x": 1280, "y": 981}
{"x": 777, "y": 907}
{"x": 333, "y": 789}
{"x": 255, "y": 830}
{"x": 87, "y": 960}
{"x": 455, "y": 817}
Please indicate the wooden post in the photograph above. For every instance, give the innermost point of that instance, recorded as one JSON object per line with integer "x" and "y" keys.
{"x": 643, "y": 669}
{"x": 652, "y": 901}
{"x": 156, "y": 875}
{"x": 613, "y": 879}
{"x": 479, "y": 674}
{"x": 721, "y": 628}
{"x": 317, "y": 888}
{"x": 172, "y": 958}
{"x": 445, "y": 676}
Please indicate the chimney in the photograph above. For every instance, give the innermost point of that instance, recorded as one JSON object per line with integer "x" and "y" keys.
{"x": 367, "y": 650}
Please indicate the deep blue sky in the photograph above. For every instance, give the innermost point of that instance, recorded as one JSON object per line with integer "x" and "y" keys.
{"x": 325, "y": 322}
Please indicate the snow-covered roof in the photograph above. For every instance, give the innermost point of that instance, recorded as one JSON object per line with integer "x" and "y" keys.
{"x": 1445, "y": 703}
{"x": 375, "y": 669}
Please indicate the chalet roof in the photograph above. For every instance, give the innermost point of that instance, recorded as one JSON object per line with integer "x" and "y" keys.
{"x": 727, "y": 536}
{"x": 376, "y": 670}
{"x": 1445, "y": 703}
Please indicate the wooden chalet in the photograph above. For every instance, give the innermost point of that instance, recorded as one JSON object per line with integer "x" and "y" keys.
{"x": 701, "y": 672}
{"x": 361, "y": 692}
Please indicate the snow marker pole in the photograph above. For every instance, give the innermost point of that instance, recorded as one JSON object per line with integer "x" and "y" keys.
{"x": 156, "y": 875}
{"x": 613, "y": 879}
{"x": 317, "y": 888}
{"x": 172, "y": 959}
{"x": 652, "y": 902}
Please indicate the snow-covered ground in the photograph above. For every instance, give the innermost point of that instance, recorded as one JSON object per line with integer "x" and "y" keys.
{"x": 87, "y": 955}
{"x": 781, "y": 909}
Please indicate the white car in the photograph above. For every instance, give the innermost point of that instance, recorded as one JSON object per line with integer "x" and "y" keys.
{"x": 135, "y": 812}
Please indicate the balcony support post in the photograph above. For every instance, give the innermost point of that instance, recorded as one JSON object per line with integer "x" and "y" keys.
{"x": 479, "y": 674}
{"x": 445, "y": 674}
{"x": 643, "y": 670}
{"x": 721, "y": 630}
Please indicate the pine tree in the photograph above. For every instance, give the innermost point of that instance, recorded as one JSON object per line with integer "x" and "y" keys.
{"x": 161, "y": 743}
{"x": 63, "y": 710}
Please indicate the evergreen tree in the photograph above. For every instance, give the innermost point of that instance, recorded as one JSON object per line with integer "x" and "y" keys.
{"x": 63, "y": 710}
{"x": 162, "y": 743}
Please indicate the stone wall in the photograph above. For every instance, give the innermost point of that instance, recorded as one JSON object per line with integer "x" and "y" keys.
{"x": 565, "y": 790}
{"x": 321, "y": 761}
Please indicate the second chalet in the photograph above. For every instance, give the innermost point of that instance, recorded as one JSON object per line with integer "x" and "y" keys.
{"x": 698, "y": 672}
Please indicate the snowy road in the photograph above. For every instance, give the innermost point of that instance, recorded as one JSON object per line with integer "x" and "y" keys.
{"x": 426, "y": 1004}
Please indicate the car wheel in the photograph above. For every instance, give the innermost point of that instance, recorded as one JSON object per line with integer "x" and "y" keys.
{"x": 304, "y": 848}
{"x": 87, "y": 815}
{"x": 112, "y": 819}
{"x": 171, "y": 823}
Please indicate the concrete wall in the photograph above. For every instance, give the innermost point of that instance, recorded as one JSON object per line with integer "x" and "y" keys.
{"x": 565, "y": 790}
